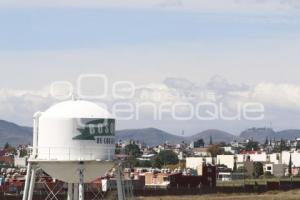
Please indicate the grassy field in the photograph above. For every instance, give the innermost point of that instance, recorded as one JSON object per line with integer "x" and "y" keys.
{"x": 274, "y": 195}
{"x": 261, "y": 181}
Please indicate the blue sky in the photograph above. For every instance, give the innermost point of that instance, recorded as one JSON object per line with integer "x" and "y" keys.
{"x": 79, "y": 28}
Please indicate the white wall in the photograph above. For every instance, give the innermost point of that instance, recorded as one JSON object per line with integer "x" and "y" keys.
{"x": 262, "y": 157}
{"x": 227, "y": 160}
{"x": 275, "y": 158}
{"x": 194, "y": 162}
{"x": 20, "y": 162}
{"x": 295, "y": 158}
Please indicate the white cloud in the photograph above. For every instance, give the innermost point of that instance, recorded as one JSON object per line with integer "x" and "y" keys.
{"x": 280, "y": 95}
{"x": 281, "y": 102}
{"x": 20, "y": 105}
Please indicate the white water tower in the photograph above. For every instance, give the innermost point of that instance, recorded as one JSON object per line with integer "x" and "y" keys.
{"x": 73, "y": 141}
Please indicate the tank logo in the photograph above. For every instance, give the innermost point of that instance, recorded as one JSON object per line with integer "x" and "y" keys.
{"x": 97, "y": 127}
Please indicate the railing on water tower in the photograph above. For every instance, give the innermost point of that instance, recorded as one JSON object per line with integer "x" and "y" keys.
{"x": 73, "y": 153}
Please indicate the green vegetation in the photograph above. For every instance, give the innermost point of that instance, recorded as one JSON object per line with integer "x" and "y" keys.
{"x": 290, "y": 165}
{"x": 133, "y": 150}
{"x": 9, "y": 148}
{"x": 281, "y": 147}
{"x": 167, "y": 157}
{"x": 252, "y": 146}
{"x": 258, "y": 169}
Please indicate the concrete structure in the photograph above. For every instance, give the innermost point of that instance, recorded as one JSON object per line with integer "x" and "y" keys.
{"x": 274, "y": 158}
{"x": 256, "y": 157}
{"x": 195, "y": 162}
{"x": 201, "y": 152}
{"x": 227, "y": 160}
{"x": 279, "y": 169}
{"x": 229, "y": 149}
{"x": 269, "y": 168}
{"x": 206, "y": 179}
{"x": 295, "y": 158}
{"x": 20, "y": 162}
{"x": 157, "y": 179}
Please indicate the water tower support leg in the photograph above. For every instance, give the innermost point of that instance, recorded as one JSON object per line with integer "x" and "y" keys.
{"x": 70, "y": 191}
{"x": 81, "y": 184}
{"x": 119, "y": 184}
{"x": 32, "y": 183}
{"x": 81, "y": 191}
{"x": 27, "y": 182}
{"x": 76, "y": 191}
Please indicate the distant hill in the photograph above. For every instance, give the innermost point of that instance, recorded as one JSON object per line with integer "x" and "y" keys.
{"x": 152, "y": 136}
{"x": 14, "y": 134}
{"x": 288, "y": 134}
{"x": 217, "y": 136}
{"x": 149, "y": 136}
{"x": 258, "y": 134}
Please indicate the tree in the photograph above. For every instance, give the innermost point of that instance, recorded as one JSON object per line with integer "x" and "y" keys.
{"x": 252, "y": 146}
{"x": 282, "y": 147}
{"x": 23, "y": 153}
{"x": 167, "y": 157}
{"x": 7, "y": 145}
{"x": 146, "y": 163}
{"x": 290, "y": 165}
{"x": 156, "y": 163}
{"x": 298, "y": 146}
{"x": 258, "y": 169}
{"x": 214, "y": 150}
{"x": 199, "y": 143}
{"x": 10, "y": 149}
{"x": 133, "y": 150}
{"x": 235, "y": 164}
{"x": 266, "y": 142}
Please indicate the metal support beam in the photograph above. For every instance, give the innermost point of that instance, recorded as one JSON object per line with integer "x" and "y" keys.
{"x": 27, "y": 182}
{"x": 70, "y": 191}
{"x": 75, "y": 196}
{"x": 119, "y": 183}
{"x": 81, "y": 191}
{"x": 81, "y": 182}
{"x": 32, "y": 183}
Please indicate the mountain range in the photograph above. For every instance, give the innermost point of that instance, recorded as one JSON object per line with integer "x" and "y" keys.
{"x": 15, "y": 134}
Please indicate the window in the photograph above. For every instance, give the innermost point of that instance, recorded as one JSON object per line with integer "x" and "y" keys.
{"x": 105, "y": 140}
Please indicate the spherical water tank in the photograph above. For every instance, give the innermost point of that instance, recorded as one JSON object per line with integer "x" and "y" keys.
{"x": 74, "y": 132}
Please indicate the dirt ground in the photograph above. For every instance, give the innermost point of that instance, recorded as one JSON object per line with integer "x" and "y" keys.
{"x": 274, "y": 195}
